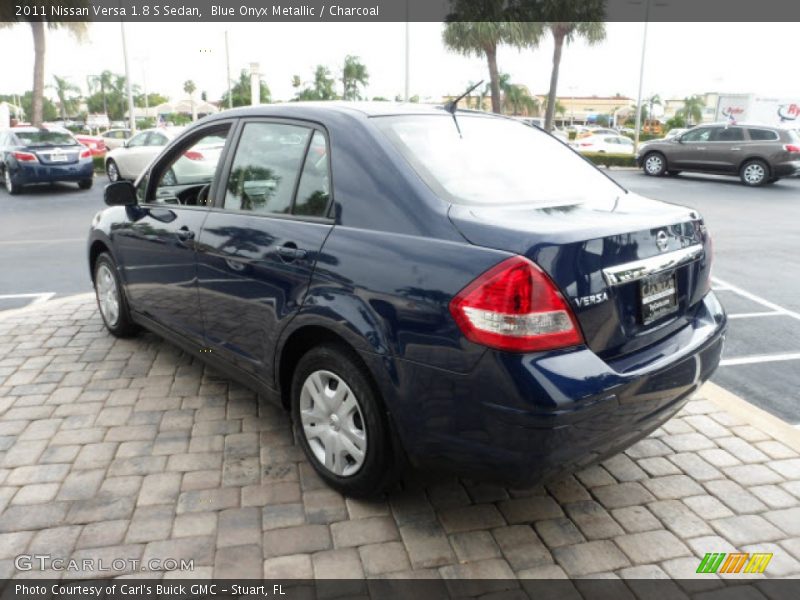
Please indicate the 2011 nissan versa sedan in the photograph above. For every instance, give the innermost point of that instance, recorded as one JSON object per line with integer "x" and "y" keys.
{"x": 457, "y": 291}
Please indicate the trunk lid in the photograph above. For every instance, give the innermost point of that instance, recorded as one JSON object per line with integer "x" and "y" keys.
{"x": 66, "y": 155}
{"x": 574, "y": 243}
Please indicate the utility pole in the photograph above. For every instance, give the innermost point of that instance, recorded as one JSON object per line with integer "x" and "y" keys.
{"x": 131, "y": 116}
{"x": 228, "y": 70}
{"x": 255, "y": 84}
{"x": 641, "y": 79}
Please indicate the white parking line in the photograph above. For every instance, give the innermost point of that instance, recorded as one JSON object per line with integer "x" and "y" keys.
{"x": 38, "y": 298}
{"x": 761, "y": 358}
{"x": 757, "y": 299}
{"x": 752, "y": 315}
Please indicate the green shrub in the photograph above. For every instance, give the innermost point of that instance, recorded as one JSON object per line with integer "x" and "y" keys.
{"x": 99, "y": 164}
{"x": 611, "y": 160}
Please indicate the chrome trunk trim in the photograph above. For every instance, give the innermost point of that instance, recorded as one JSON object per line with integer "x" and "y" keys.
{"x": 639, "y": 269}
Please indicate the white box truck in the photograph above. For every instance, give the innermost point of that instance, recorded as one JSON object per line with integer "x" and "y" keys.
{"x": 751, "y": 108}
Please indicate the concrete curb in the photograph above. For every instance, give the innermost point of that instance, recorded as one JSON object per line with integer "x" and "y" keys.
{"x": 757, "y": 417}
{"x": 7, "y": 314}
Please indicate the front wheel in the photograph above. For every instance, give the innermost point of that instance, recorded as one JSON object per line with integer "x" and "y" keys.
{"x": 342, "y": 424}
{"x": 111, "y": 298}
{"x": 654, "y": 164}
{"x": 11, "y": 187}
{"x": 673, "y": 173}
{"x": 112, "y": 170}
{"x": 754, "y": 173}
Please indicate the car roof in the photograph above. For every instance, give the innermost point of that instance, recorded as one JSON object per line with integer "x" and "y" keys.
{"x": 364, "y": 109}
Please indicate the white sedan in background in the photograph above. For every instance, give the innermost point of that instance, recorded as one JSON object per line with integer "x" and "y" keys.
{"x": 130, "y": 159}
{"x": 608, "y": 144}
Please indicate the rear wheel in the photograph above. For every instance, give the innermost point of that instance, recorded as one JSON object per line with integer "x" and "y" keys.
{"x": 111, "y": 298}
{"x": 86, "y": 184}
{"x": 112, "y": 170}
{"x": 754, "y": 173}
{"x": 11, "y": 187}
{"x": 341, "y": 422}
{"x": 654, "y": 164}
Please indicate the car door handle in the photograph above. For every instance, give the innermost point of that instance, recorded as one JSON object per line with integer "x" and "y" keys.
{"x": 290, "y": 252}
{"x": 184, "y": 233}
{"x": 735, "y": 149}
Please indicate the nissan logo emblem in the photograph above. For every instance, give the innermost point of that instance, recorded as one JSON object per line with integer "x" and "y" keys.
{"x": 662, "y": 240}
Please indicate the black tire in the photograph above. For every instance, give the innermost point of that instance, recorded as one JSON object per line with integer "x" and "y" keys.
{"x": 654, "y": 164}
{"x": 112, "y": 170}
{"x": 11, "y": 187}
{"x": 754, "y": 173}
{"x": 86, "y": 184}
{"x": 123, "y": 325}
{"x": 379, "y": 468}
{"x": 673, "y": 173}
{"x": 773, "y": 180}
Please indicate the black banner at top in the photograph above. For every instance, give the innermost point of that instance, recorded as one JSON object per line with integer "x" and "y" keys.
{"x": 399, "y": 10}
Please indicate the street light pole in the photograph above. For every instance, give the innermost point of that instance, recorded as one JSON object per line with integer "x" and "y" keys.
{"x": 641, "y": 79}
{"x": 131, "y": 116}
{"x": 228, "y": 70}
{"x": 407, "y": 94}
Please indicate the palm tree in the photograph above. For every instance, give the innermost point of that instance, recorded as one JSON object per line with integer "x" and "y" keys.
{"x": 482, "y": 39}
{"x": 566, "y": 32}
{"x": 692, "y": 110}
{"x": 354, "y": 74}
{"x": 105, "y": 81}
{"x": 240, "y": 92}
{"x": 8, "y": 18}
{"x": 189, "y": 87}
{"x": 653, "y": 100}
{"x": 64, "y": 90}
{"x": 520, "y": 101}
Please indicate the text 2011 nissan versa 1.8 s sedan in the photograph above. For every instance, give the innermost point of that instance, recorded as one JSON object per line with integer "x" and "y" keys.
{"x": 458, "y": 291}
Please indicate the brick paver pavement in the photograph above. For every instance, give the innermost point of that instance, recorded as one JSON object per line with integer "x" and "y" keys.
{"x": 130, "y": 449}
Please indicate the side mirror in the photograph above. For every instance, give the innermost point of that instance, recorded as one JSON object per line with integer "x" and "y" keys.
{"x": 120, "y": 193}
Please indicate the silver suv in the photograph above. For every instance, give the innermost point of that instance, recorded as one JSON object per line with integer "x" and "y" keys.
{"x": 757, "y": 154}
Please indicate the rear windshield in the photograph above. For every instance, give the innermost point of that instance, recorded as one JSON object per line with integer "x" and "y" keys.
{"x": 494, "y": 161}
{"x": 45, "y": 138}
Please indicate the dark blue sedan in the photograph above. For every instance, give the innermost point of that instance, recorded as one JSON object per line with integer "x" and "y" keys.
{"x": 455, "y": 291}
{"x": 31, "y": 155}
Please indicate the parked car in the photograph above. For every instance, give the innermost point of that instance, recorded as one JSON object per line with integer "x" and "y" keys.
{"x": 96, "y": 144}
{"x": 675, "y": 132}
{"x": 114, "y": 138}
{"x": 31, "y": 155}
{"x": 539, "y": 122}
{"x": 605, "y": 143}
{"x": 587, "y": 131}
{"x": 757, "y": 154}
{"x": 409, "y": 297}
{"x": 130, "y": 159}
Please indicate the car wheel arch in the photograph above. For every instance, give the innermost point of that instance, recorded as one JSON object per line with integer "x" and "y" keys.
{"x": 761, "y": 159}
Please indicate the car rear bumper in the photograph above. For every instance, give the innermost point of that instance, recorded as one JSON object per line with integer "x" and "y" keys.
{"x": 39, "y": 173}
{"x": 787, "y": 169}
{"x": 521, "y": 419}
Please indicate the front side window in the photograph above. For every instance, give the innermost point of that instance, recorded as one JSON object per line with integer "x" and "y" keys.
{"x": 701, "y": 134}
{"x": 157, "y": 139}
{"x": 268, "y": 161}
{"x": 186, "y": 179}
{"x": 140, "y": 139}
{"x": 495, "y": 161}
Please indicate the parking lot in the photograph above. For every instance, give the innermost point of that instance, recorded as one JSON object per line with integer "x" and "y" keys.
{"x": 756, "y": 272}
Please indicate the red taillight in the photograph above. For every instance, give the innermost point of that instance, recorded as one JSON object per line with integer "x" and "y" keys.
{"x": 585, "y": 144}
{"x": 515, "y": 306}
{"x": 792, "y": 148}
{"x": 86, "y": 154}
{"x": 25, "y": 157}
{"x": 193, "y": 155}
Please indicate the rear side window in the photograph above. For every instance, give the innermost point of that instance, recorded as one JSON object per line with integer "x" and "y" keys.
{"x": 157, "y": 139}
{"x": 763, "y": 135}
{"x": 279, "y": 169}
{"x": 728, "y": 134}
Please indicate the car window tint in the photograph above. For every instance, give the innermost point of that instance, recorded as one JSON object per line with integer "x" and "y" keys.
{"x": 265, "y": 168}
{"x": 140, "y": 139}
{"x": 728, "y": 134}
{"x": 182, "y": 179}
{"x": 314, "y": 189}
{"x": 702, "y": 134}
{"x": 762, "y": 135}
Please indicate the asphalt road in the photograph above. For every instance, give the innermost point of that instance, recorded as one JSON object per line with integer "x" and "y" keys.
{"x": 756, "y": 267}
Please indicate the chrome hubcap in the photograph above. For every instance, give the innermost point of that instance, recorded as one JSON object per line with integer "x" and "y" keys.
{"x": 107, "y": 297}
{"x": 332, "y": 423}
{"x": 754, "y": 173}
{"x": 113, "y": 174}
{"x": 653, "y": 164}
